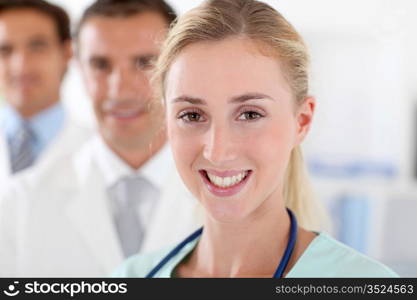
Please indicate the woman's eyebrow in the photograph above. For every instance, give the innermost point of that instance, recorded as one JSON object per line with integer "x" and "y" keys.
{"x": 192, "y": 100}
{"x": 236, "y": 99}
{"x": 250, "y": 96}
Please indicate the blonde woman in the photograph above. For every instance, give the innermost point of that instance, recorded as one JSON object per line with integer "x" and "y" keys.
{"x": 234, "y": 81}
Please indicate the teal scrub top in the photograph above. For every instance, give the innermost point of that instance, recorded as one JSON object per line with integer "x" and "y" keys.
{"x": 324, "y": 257}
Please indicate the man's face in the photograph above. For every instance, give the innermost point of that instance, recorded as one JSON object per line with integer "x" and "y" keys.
{"x": 115, "y": 54}
{"x": 32, "y": 60}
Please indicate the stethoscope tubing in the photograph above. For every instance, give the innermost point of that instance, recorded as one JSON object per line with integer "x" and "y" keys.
{"x": 279, "y": 271}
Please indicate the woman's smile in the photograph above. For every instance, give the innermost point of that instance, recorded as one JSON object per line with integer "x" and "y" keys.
{"x": 225, "y": 183}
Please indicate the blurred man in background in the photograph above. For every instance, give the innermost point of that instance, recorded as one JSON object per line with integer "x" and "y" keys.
{"x": 120, "y": 194}
{"x": 35, "y": 48}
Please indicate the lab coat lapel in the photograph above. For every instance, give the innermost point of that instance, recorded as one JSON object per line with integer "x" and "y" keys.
{"x": 57, "y": 148}
{"x": 176, "y": 216}
{"x": 71, "y": 135}
{"x": 91, "y": 216}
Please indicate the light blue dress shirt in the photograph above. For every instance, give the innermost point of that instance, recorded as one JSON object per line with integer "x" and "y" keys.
{"x": 324, "y": 257}
{"x": 45, "y": 125}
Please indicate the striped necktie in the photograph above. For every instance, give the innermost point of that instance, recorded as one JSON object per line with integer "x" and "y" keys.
{"x": 128, "y": 194}
{"x": 20, "y": 148}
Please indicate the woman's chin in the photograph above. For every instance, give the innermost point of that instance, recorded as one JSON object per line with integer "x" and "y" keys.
{"x": 226, "y": 211}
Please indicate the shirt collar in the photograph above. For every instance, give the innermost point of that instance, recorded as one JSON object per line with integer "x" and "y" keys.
{"x": 114, "y": 168}
{"x": 45, "y": 125}
{"x": 48, "y": 123}
{"x": 11, "y": 121}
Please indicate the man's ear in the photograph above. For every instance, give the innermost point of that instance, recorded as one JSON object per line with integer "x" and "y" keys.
{"x": 67, "y": 48}
{"x": 304, "y": 117}
{"x": 67, "y": 55}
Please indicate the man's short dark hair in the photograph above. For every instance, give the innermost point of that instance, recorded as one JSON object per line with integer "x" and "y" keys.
{"x": 125, "y": 8}
{"x": 56, "y": 13}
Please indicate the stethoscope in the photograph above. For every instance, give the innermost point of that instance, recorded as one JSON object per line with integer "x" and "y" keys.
{"x": 279, "y": 271}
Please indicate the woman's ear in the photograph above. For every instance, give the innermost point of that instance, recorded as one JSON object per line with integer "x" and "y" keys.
{"x": 304, "y": 117}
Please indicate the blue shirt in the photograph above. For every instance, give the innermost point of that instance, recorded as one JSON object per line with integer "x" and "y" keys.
{"x": 45, "y": 125}
{"x": 324, "y": 257}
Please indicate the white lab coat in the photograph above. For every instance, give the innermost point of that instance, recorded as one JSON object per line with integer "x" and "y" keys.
{"x": 65, "y": 228}
{"x": 68, "y": 140}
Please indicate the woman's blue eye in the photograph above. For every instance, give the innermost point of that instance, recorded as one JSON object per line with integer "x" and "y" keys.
{"x": 249, "y": 116}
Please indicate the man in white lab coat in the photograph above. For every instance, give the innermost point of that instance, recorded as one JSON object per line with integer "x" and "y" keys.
{"x": 35, "y": 47}
{"x": 120, "y": 194}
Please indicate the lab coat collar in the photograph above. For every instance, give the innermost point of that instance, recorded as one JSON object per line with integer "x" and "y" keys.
{"x": 93, "y": 221}
{"x": 88, "y": 211}
{"x": 97, "y": 164}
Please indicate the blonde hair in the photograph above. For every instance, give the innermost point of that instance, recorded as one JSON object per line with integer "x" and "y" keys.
{"x": 216, "y": 20}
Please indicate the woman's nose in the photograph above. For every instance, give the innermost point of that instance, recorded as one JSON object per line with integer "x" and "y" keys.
{"x": 219, "y": 148}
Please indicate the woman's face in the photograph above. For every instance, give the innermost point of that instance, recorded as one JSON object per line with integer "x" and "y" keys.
{"x": 232, "y": 123}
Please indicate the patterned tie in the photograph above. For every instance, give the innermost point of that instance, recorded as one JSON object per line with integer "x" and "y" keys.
{"x": 20, "y": 148}
{"x": 128, "y": 195}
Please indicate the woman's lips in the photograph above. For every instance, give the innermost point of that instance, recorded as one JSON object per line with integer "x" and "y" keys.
{"x": 225, "y": 186}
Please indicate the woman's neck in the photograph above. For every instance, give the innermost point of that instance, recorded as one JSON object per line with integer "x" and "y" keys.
{"x": 250, "y": 248}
